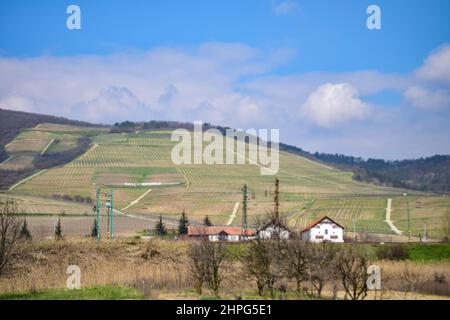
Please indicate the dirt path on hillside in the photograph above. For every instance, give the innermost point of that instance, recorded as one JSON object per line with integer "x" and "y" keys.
{"x": 233, "y": 214}
{"x": 5, "y": 161}
{"x": 132, "y": 203}
{"x": 26, "y": 179}
{"x": 388, "y": 218}
{"x": 47, "y": 146}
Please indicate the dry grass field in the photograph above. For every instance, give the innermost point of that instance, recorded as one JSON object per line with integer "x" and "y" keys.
{"x": 158, "y": 269}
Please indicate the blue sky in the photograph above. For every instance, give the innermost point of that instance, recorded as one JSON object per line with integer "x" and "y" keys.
{"x": 311, "y": 68}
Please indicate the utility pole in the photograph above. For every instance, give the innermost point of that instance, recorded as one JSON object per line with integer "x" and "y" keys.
{"x": 408, "y": 216}
{"x": 244, "y": 208}
{"x": 98, "y": 214}
{"x": 354, "y": 230}
{"x": 425, "y": 232}
{"x": 112, "y": 214}
{"x": 276, "y": 198}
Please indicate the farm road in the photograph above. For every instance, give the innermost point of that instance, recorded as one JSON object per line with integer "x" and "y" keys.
{"x": 388, "y": 218}
{"x": 233, "y": 214}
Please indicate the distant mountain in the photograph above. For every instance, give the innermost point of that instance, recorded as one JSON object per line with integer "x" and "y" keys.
{"x": 425, "y": 174}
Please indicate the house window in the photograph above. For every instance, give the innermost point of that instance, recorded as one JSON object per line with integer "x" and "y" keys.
{"x": 326, "y": 231}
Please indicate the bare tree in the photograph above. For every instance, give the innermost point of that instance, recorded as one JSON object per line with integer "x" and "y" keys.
{"x": 207, "y": 261}
{"x": 216, "y": 253}
{"x": 197, "y": 266}
{"x": 9, "y": 232}
{"x": 295, "y": 261}
{"x": 261, "y": 262}
{"x": 322, "y": 265}
{"x": 352, "y": 268}
{"x": 270, "y": 217}
{"x": 410, "y": 280}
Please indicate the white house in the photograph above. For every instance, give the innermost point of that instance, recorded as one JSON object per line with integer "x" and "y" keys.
{"x": 274, "y": 229}
{"x": 324, "y": 229}
{"x": 221, "y": 233}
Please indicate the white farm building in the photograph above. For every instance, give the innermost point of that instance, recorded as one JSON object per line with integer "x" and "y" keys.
{"x": 323, "y": 230}
{"x": 221, "y": 233}
{"x": 274, "y": 229}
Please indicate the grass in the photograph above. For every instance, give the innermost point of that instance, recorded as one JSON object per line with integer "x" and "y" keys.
{"x": 93, "y": 293}
{"x": 432, "y": 252}
{"x": 124, "y": 269}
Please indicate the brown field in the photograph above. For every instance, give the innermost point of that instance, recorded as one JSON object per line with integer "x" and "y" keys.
{"x": 43, "y": 227}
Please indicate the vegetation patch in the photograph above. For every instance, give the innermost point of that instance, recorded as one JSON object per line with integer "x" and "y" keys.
{"x": 94, "y": 293}
{"x": 430, "y": 252}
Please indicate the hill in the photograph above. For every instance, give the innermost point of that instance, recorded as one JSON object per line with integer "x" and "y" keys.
{"x": 12, "y": 122}
{"x": 137, "y": 166}
{"x": 133, "y": 159}
{"x": 23, "y": 139}
{"x": 430, "y": 174}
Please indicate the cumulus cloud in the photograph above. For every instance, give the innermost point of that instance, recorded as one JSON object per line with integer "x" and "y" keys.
{"x": 230, "y": 84}
{"x": 431, "y": 90}
{"x": 334, "y": 104}
{"x": 427, "y": 99}
{"x": 111, "y": 104}
{"x": 285, "y": 7}
{"x": 163, "y": 83}
{"x": 437, "y": 66}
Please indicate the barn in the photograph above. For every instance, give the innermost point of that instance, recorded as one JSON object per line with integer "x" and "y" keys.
{"x": 221, "y": 233}
{"x": 323, "y": 230}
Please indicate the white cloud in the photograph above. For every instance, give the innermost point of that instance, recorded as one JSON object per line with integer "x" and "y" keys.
{"x": 164, "y": 83}
{"x": 112, "y": 103}
{"x": 437, "y": 66}
{"x": 17, "y": 102}
{"x": 228, "y": 84}
{"x": 334, "y": 104}
{"x": 285, "y": 7}
{"x": 427, "y": 99}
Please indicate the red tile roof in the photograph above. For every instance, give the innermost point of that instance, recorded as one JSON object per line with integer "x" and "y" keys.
{"x": 205, "y": 230}
{"x": 313, "y": 224}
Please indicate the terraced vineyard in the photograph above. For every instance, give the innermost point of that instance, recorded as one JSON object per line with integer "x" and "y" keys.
{"x": 138, "y": 167}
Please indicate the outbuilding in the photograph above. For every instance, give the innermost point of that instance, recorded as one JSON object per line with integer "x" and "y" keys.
{"x": 323, "y": 230}
{"x": 274, "y": 229}
{"x": 221, "y": 233}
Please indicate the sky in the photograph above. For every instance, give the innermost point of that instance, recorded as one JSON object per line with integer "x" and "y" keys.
{"x": 312, "y": 69}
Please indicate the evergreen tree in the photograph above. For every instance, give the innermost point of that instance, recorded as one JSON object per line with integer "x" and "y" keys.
{"x": 207, "y": 222}
{"x": 58, "y": 230}
{"x": 24, "y": 232}
{"x": 160, "y": 227}
{"x": 183, "y": 224}
{"x": 94, "y": 231}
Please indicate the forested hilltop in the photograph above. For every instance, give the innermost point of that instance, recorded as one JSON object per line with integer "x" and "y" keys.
{"x": 424, "y": 174}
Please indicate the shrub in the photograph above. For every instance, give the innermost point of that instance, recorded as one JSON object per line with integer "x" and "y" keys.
{"x": 392, "y": 252}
